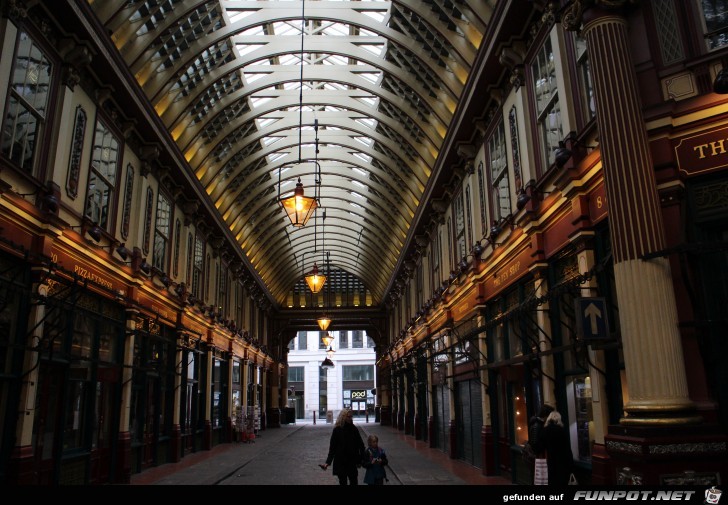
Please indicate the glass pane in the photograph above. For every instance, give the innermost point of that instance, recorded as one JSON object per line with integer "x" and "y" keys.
{"x": 715, "y": 13}
{"x": 74, "y": 422}
{"x": 19, "y": 133}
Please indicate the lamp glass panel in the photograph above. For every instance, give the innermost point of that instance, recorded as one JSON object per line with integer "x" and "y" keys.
{"x": 315, "y": 282}
{"x": 299, "y": 209}
{"x": 327, "y": 339}
{"x": 324, "y": 323}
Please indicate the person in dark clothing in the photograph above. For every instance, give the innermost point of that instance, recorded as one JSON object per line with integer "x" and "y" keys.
{"x": 534, "y": 447}
{"x": 346, "y": 449}
{"x": 559, "y": 459}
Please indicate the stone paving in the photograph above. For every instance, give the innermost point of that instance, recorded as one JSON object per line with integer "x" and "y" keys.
{"x": 290, "y": 455}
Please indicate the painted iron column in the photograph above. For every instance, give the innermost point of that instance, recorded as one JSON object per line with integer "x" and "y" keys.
{"x": 653, "y": 356}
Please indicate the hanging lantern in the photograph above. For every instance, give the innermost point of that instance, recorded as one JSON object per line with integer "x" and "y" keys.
{"x": 315, "y": 280}
{"x": 324, "y": 322}
{"x": 298, "y": 207}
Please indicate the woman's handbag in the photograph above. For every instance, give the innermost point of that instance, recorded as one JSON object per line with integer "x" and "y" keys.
{"x": 540, "y": 472}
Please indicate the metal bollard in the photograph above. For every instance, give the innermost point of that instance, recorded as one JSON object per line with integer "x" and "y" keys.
{"x": 314, "y": 417}
{"x": 367, "y": 416}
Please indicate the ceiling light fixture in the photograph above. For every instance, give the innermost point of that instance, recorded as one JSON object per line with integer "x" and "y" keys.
{"x": 298, "y": 207}
{"x": 315, "y": 280}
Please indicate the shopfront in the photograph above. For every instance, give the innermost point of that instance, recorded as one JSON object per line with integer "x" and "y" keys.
{"x": 76, "y": 422}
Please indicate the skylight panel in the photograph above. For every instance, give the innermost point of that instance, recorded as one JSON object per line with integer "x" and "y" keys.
{"x": 257, "y": 102}
{"x": 236, "y": 15}
{"x": 375, "y": 49}
{"x": 335, "y": 59}
{"x": 357, "y": 195}
{"x": 244, "y": 49}
{"x": 355, "y": 205}
{"x": 287, "y": 28}
{"x": 369, "y": 100}
{"x": 360, "y": 171}
{"x": 336, "y": 30}
{"x": 251, "y": 77}
{"x": 372, "y": 77}
{"x": 262, "y": 123}
{"x": 371, "y": 123}
{"x": 357, "y": 183}
{"x": 364, "y": 140}
{"x": 378, "y": 16}
{"x": 363, "y": 156}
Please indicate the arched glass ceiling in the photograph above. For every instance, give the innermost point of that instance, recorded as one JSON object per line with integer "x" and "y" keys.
{"x": 381, "y": 79}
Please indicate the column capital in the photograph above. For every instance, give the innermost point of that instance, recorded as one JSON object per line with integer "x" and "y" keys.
{"x": 575, "y": 12}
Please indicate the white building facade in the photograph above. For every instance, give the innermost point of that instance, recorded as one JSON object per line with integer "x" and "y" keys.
{"x": 320, "y": 393}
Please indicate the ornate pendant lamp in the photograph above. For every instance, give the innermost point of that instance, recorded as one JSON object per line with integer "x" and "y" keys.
{"x": 315, "y": 280}
{"x": 324, "y": 322}
{"x": 298, "y": 207}
{"x": 327, "y": 339}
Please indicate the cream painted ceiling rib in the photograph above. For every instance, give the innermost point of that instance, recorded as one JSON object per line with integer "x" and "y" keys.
{"x": 381, "y": 81}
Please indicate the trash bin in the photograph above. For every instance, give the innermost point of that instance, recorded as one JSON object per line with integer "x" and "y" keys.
{"x": 289, "y": 414}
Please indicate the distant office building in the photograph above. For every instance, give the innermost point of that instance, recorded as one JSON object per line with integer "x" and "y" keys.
{"x": 316, "y": 389}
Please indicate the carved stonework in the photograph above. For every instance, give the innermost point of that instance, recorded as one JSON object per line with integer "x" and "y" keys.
{"x": 126, "y": 213}
{"x": 515, "y": 149}
{"x": 148, "y": 221}
{"x": 14, "y": 9}
{"x": 689, "y": 448}
{"x": 623, "y": 447}
{"x": 74, "y": 165}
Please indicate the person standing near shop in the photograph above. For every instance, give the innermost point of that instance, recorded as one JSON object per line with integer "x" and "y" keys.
{"x": 559, "y": 459}
{"x": 534, "y": 448}
{"x": 346, "y": 449}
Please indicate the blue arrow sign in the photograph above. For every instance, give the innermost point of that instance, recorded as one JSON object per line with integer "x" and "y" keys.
{"x": 591, "y": 318}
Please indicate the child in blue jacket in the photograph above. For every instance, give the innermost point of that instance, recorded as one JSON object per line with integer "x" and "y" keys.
{"x": 375, "y": 459}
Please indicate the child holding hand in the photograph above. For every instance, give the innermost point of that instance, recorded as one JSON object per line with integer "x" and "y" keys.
{"x": 375, "y": 459}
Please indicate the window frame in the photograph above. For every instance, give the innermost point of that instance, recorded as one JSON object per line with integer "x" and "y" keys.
{"x": 44, "y": 128}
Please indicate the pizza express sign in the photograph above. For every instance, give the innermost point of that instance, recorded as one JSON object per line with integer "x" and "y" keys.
{"x": 704, "y": 152}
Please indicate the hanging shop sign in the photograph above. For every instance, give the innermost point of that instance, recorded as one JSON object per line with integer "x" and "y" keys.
{"x": 702, "y": 153}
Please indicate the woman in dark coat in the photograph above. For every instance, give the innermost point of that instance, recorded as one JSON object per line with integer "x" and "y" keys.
{"x": 555, "y": 440}
{"x": 346, "y": 449}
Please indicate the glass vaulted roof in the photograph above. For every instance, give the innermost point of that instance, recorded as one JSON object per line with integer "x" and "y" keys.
{"x": 256, "y": 93}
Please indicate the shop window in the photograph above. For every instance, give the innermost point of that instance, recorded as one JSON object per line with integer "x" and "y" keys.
{"x": 216, "y": 405}
{"x": 583, "y": 417}
{"x": 102, "y": 176}
{"x": 548, "y": 108}
{"x": 236, "y": 373}
{"x": 74, "y": 422}
{"x": 520, "y": 415}
{"x": 343, "y": 339}
{"x": 26, "y": 115}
